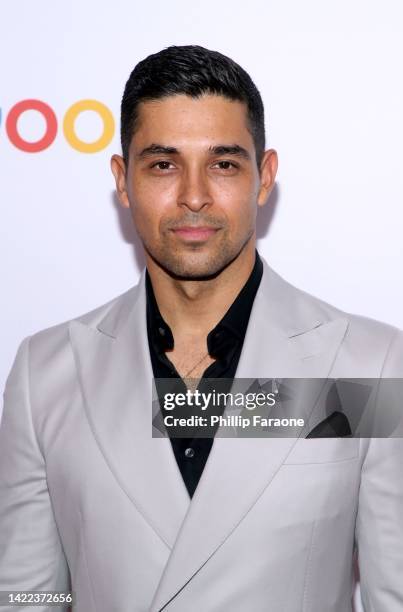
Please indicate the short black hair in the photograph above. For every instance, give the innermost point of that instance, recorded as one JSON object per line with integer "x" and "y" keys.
{"x": 191, "y": 70}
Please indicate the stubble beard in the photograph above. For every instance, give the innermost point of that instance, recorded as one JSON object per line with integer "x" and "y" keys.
{"x": 196, "y": 262}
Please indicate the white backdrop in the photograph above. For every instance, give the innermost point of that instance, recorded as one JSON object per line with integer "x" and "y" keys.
{"x": 330, "y": 77}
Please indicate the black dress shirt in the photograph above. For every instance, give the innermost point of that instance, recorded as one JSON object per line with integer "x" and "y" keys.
{"x": 224, "y": 343}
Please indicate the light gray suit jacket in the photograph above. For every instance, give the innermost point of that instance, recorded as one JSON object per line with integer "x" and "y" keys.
{"x": 88, "y": 498}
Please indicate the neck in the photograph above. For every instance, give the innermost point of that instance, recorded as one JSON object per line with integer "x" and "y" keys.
{"x": 194, "y": 307}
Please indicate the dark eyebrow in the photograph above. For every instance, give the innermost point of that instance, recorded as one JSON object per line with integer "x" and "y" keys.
{"x": 230, "y": 150}
{"x": 157, "y": 149}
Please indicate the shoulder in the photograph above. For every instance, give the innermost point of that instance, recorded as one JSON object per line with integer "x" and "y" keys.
{"x": 54, "y": 339}
{"x": 368, "y": 347}
{"x": 363, "y": 332}
{"x": 376, "y": 346}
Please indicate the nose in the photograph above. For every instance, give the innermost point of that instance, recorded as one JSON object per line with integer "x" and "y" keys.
{"x": 194, "y": 190}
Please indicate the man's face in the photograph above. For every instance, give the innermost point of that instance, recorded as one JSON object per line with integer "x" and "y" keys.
{"x": 192, "y": 183}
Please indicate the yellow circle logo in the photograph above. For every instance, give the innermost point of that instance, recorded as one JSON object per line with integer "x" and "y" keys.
{"x": 69, "y": 126}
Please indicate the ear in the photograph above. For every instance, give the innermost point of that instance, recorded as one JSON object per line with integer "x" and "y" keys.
{"x": 268, "y": 171}
{"x": 118, "y": 168}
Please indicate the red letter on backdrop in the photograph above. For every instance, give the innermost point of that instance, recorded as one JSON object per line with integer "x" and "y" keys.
{"x": 51, "y": 125}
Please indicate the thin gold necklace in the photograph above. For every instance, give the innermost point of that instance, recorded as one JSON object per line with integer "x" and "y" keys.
{"x": 197, "y": 364}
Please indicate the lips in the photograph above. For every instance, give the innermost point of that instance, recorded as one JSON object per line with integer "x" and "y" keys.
{"x": 195, "y": 233}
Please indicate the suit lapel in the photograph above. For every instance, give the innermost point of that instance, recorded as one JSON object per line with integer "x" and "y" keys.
{"x": 115, "y": 374}
{"x": 239, "y": 470}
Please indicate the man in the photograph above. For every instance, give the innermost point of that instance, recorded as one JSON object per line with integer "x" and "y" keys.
{"x": 90, "y": 501}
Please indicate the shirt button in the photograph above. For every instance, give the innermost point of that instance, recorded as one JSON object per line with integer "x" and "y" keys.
{"x": 189, "y": 452}
{"x": 161, "y": 331}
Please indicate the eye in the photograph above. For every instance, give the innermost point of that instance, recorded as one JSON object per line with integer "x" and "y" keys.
{"x": 225, "y": 165}
{"x": 161, "y": 165}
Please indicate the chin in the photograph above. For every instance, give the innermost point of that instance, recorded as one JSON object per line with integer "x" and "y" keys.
{"x": 192, "y": 271}
{"x": 191, "y": 267}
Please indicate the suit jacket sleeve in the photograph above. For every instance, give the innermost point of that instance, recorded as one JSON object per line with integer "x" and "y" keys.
{"x": 379, "y": 526}
{"x": 31, "y": 554}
